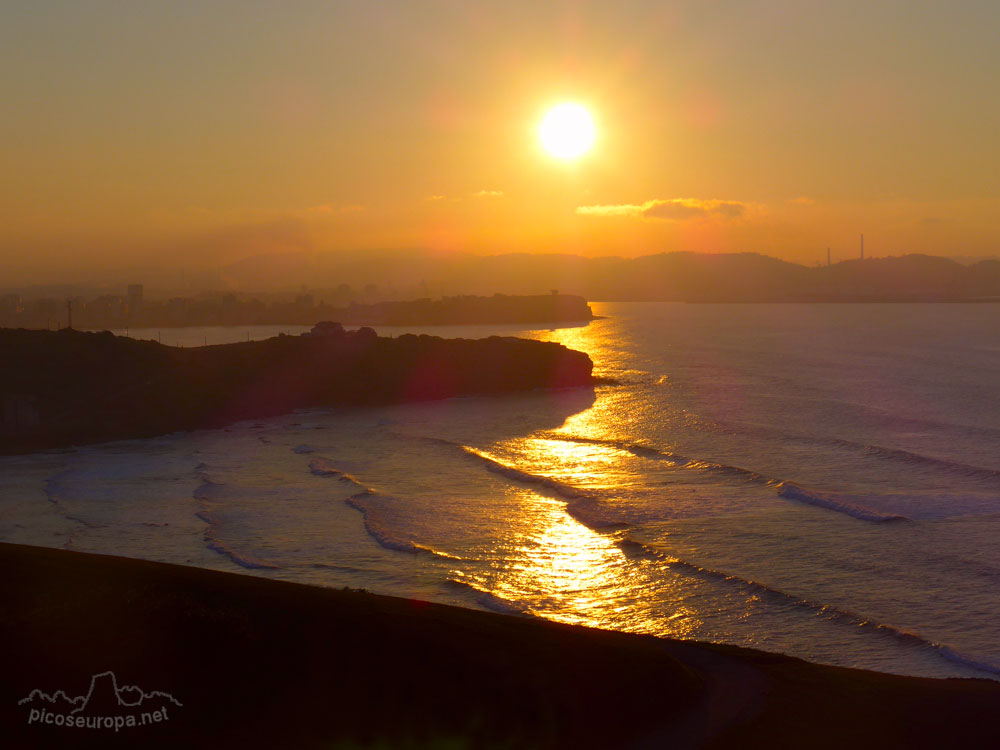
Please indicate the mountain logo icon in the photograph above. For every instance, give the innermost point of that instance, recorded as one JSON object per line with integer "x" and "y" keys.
{"x": 105, "y": 704}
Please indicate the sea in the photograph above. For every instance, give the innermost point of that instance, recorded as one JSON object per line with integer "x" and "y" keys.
{"x": 817, "y": 480}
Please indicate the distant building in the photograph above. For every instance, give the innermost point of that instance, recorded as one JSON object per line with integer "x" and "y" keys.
{"x": 107, "y": 306}
{"x": 50, "y": 310}
{"x": 10, "y": 305}
{"x": 305, "y": 300}
{"x": 135, "y": 294}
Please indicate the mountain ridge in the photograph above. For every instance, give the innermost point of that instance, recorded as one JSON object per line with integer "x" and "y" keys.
{"x": 676, "y": 276}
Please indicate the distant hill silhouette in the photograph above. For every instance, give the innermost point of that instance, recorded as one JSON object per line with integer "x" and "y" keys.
{"x": 678, "y": 276}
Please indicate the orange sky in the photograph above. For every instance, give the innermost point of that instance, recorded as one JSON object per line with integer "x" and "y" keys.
{"x": 195, "y": 134}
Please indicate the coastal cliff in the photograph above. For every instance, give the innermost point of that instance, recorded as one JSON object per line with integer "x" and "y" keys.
{"x": 59, "y": 388}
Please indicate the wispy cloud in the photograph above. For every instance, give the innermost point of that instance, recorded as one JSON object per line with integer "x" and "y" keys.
{"x": 434, "y": 198}
{"x": 671, "y": 209}
{"x": 623, "y": 209}
{"x": 488, "y": 194}
{"x": 803, "y": 200}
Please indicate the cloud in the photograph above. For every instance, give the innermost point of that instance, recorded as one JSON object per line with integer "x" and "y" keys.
{"x": 434, "y": 198}
{"x": 671, "y": 209}
{"x": 803, "y": 201}
{"x": 488, "y": 194}
{"x": 624, "y": 209}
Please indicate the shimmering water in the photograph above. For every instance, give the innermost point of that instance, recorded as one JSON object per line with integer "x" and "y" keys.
{"x": 820, "y": 480}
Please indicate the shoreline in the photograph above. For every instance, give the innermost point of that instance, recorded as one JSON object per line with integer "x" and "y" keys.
{"x": 275, "y": 663}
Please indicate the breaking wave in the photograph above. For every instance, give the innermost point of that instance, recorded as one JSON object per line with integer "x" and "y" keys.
{"x": 323, "y": 467}
{"x": 214, "y": 543}
{"x": 898, "y": 455}
{"x": 211, "y": 490}
{"x": 786, "y": 489}
{"x": 637, "y": 449}
{"x": 376, "y": 511}
{"x": 560, "y": 488}
{"x": 491, "y": 601}
{"x": 585, "y": 506}
{"x": 827, "y": 611}
{"x": 940, "y": 464}
{"x": 792, "y": 491}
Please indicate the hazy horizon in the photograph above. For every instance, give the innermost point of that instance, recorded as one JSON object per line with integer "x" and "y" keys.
{"x": 417, "y": 274}
{"x": 169, "y": 136}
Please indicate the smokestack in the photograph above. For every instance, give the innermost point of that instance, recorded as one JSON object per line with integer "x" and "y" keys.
{"x": 828, "y": 256}
{"x": 862, "y": 247}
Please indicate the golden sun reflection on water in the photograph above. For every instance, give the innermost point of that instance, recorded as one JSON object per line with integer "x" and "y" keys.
{"x": 585, "y": 465}
{"x": 552, "y": 566}
{"x": 614, "y": 409}
{"x": 596, "y": 339}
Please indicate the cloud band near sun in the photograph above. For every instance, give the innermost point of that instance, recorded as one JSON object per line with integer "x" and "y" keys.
{"x": 671, "y": 209}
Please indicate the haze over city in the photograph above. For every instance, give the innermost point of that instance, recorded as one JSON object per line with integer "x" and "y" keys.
{"x": 142, "y": 138}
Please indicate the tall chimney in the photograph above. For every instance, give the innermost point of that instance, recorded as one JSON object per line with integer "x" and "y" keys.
{"x": 862, "y": 247}
{"x": 828, "y": 256}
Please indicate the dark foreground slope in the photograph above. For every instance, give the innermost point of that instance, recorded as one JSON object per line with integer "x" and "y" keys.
{"x": 259, "y": 663}
{"x": 63, "y": 387}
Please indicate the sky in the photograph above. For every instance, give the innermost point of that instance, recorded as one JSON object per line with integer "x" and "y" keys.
{"x": 164, "y": 134}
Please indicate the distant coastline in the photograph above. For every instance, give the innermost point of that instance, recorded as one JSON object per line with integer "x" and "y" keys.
{"x": 470, "y": 310}
{"x": 110, "y": 312}
{"x": 257, "y": 291}
{"x": 67, "y": 387}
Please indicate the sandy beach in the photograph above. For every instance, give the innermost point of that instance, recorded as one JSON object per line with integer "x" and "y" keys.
{"x": 258, "y": 663}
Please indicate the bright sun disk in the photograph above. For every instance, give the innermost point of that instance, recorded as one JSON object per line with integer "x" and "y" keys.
{"x": 567, "y": 131}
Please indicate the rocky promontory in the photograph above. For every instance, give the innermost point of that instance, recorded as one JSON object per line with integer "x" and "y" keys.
{"x": 59, "y": 388}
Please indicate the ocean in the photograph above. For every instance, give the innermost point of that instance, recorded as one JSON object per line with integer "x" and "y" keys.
{"x": 817, "y": 480}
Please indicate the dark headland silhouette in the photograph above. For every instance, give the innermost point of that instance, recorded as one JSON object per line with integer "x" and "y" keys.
{"x": 66, "y": 387}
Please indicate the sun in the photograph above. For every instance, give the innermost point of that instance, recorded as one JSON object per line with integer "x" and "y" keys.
{"x": 567, "y": 131}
